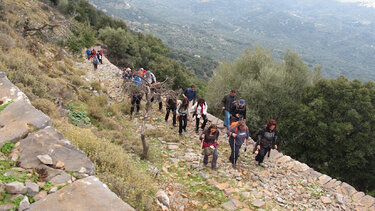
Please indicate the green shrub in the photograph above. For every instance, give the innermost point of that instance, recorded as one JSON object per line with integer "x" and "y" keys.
{"x": 7, "y": 148}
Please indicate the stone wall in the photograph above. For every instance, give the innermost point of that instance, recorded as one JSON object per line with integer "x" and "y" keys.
{"x": 68, "y": 182}
{"x": 341, "y": 191}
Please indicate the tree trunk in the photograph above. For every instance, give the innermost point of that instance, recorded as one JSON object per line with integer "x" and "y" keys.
{"x": 143, "y": 136}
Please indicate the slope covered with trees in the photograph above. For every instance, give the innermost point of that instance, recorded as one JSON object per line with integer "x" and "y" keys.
{"x": 332, "y": 129}
{"x": 124, "y": 47}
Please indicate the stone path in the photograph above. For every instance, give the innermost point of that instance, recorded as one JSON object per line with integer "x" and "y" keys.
{"x": 282, "y": 184}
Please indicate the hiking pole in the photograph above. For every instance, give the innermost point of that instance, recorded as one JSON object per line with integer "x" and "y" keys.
{"x": 234, "y": 153}
{"x": 217, "y": 119}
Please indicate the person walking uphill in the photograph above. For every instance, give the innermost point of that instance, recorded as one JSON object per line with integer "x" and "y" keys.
{"x": 210, "y": 139}
{"x": 200, "y": 110}
{"x": 183, "y": 113}
{"x": 267, "y": 138}
{"x": 191, "y": 95}
{"x": 238, "y": 110}
{"x": 88, "y": 53}
{"x": 136, "y": 95}
{"x": 237, "y": 136}
{"x": 171, "y": 106}
{"x": 227, "y": 103}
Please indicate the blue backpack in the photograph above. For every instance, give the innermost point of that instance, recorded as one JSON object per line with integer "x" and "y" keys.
{"x": 137, "y": 81}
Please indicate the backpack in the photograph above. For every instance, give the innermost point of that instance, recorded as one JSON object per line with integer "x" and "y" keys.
{"x": 137, "y": 80}
{"x": 234, "y": 124}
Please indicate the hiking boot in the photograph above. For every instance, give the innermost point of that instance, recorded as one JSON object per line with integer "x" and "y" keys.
{"x": 205, "y": 164}
{"x": 215, "y": 168}
{"x": 234, "y": 165}
{"x": 196, "y": 131}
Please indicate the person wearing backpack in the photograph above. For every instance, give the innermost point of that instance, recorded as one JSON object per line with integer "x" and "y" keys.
{"x": 95, "y": 62}
{"x": 88, "y": 52}
{"x": 238, "y": 133}
{"x": 100, "y": 57}
{"x": 183, "y": 113}
{"x": 127, "y": 75}
{"x": 150, "y": 77}
{"x": 210, "y": 138}
{"x": 227, "y": 103}
{"x": 200, "y": 110}
{"x": 171, "y": 106}
{"x": 238, "y": 109}
{"x": 156, "y": 89}
{"x": 136, "y": 95}
{"x": 191, "y": 95}
{"x": 267, "y": 137}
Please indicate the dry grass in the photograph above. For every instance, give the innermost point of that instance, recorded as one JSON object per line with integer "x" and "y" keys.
{"x": 114, "y": 166}
{"x": 46, "y": 106}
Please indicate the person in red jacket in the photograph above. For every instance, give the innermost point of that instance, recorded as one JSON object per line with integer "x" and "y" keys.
{"x": 210, "y": 138}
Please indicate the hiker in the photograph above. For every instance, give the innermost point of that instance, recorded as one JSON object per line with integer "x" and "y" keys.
{"x": 238, "y": 133}
{"x": 171, "y": 106}
{"x": 88, "y": 52}
{"x": 150, "y": 77}
{"x": 136, "y": 95}
{"x": 156, "y": 89}
{"x": 100, "y": 57}
{"x": 101, "y": 52}
{"x": 227, "y": 103}
{"x": 210, "y": 138}
{"x": 191, "y": 95}
{"x": 183, "y": 113}
{"x": 95, "y": 62}
{"x": 127, "y": 75}
{"x": 200, "y": 110}
{"x": 267, "y": 137}
{"x": 238, "y": 109}
{"x": 93, "y": 53}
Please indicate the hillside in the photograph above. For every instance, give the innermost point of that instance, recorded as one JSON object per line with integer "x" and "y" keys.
{"x": 338, "y": 36}
{"x": 41, "y": 53}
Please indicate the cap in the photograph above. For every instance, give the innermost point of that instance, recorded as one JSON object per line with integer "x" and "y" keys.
{"x": 242, "y": 102}
{"x": 233, "y": 91}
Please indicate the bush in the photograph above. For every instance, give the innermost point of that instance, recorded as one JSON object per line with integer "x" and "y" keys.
{"x": 96, "y": 85}
{"x": 46, "y": 107}
{"x": 114, "y": 166}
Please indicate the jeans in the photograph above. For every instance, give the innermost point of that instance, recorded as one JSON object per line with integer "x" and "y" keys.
{"x": 235, "y": 150}
{"x": 227, "y": 119}
{"x": 214, "y": 159}
{"x": 174, "y": 115}
{"x": 204, "y": 122}
{"x": 182, "y": 123}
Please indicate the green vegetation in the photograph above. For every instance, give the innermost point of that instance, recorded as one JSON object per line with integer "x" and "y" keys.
{"x": 124, "y": 48}
{"x": 7, "y": 148}
{"x": 78, "y": 118}
{"x": 266, "y": 85}
{"x": 324, "y": 32}
{"x": 3, "y": 106}
{"x": 331, "y": 129}
{"x": 47, "y": 186}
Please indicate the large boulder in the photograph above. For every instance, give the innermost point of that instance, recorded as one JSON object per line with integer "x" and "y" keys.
{"x": 50, "y": 142}
{"x": 85, "y": 194}
{"x": 19, "y": 118}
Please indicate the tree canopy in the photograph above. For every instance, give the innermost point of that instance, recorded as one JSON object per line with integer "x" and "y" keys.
{"x": 332, "y": 129}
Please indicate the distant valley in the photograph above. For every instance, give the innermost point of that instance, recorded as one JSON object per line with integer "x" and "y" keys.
{"x": 338, "y": 36}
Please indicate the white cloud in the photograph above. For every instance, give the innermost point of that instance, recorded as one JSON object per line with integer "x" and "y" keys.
{"x": 365, "y": 3}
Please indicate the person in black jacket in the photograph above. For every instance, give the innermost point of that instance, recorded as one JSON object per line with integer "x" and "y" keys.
{"x": 171, "y": 106}
{"x": 226, "y": 106}
{"x": 267, "y": 137}
{"x": 238, "y": 110}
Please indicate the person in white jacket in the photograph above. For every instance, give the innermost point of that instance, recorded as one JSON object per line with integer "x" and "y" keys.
{"x": 200, "y": 110}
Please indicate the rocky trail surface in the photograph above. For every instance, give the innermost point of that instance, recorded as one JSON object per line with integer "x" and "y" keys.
{"x": 281, "y": 184}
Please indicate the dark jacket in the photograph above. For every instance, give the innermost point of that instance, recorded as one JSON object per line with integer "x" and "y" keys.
{"x": 172, "y": 103}
{"x": 227, "y": 101}
{"x": 236, "y": 109}
{"x": 191, "y": 95}
{"x": 266, "y": 137}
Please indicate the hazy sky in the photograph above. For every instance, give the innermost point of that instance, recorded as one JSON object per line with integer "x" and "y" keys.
{"x": 367, "y": 3}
